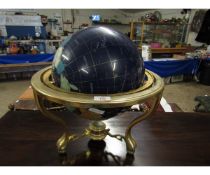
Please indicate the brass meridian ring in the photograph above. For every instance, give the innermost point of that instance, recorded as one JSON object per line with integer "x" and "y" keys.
{"x": 43, "y": 86}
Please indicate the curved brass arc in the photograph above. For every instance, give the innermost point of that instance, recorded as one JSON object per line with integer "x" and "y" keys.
{"x": 117, "y": 136}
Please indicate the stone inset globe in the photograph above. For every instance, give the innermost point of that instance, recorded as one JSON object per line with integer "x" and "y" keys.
{"x": 98, "y": 60}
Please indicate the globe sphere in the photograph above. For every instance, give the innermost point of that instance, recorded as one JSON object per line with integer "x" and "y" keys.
{"x": 98, "y": 60}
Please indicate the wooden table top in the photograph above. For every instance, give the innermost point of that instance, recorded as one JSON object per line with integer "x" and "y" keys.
{"x": 28, "y": 138}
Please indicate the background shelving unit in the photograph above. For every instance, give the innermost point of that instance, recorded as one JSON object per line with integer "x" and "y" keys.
{"x": 145, "y": 32}
{"x": 169, "y": 36}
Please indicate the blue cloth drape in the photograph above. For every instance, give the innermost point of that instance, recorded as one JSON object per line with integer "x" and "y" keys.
{"x": 163, "y": 68}
{"x": 25, "y": 58}
{"x": 173, "y": 67}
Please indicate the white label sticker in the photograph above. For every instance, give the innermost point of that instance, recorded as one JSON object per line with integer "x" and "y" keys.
{"x": 102, "y": 98}
{"x": 97, "y": 111}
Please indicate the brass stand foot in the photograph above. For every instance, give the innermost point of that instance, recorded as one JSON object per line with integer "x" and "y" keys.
{"x": 62, "y": 144}
{"x": 64, "y": 140}
{"x": 130, "y": 145}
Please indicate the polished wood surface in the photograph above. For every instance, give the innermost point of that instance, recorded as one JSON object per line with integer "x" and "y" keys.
{"x": 28, "y": 138}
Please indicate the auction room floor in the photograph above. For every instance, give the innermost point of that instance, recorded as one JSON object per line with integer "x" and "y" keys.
{"x": 182, "y": 93}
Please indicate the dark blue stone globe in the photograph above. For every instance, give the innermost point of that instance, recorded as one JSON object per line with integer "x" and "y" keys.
{"x": 98, "y": 60}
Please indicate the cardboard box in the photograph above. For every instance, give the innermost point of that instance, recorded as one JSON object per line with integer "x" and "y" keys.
{"x": 178, "y": 56}
{"x": 177, "y": 78}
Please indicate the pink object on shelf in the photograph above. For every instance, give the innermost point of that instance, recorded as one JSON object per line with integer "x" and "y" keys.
{"x": 155, "y": 45}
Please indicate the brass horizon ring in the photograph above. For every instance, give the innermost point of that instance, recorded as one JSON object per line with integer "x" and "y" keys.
{"x": 42, "y": 85}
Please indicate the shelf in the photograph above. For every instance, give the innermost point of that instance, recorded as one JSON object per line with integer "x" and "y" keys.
{"x": 109, "y": 23}
{"x": 67, "y": 22}
{"x": 29, "y": 41}
{"x": 168, "y": 50}
{"x": 22, "y": 67}
{"x": 159, "y": 23}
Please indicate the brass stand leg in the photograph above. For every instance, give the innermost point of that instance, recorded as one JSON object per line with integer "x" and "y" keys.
{"x": 40, "y": 103}
{"x": 62, "y": 142}
{"x": 129, "y": 140}
{"x": 96, "y": 131}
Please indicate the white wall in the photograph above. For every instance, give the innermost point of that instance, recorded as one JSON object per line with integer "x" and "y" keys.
{"x": 82, "y": 16}
{"x": 166, "y": 13}
{"x": 49, "y": 12}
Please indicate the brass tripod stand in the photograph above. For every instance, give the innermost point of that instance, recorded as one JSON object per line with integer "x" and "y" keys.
{"x": 89, "y": 104}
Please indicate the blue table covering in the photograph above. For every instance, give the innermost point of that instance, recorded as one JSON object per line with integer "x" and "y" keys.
{"x": 25, "y": 58}
{"x": 167, "y": 68}
{"x": 162, "y": 67}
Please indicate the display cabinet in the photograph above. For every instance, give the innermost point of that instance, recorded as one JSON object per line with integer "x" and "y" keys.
{"x": 158, "y": 34}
